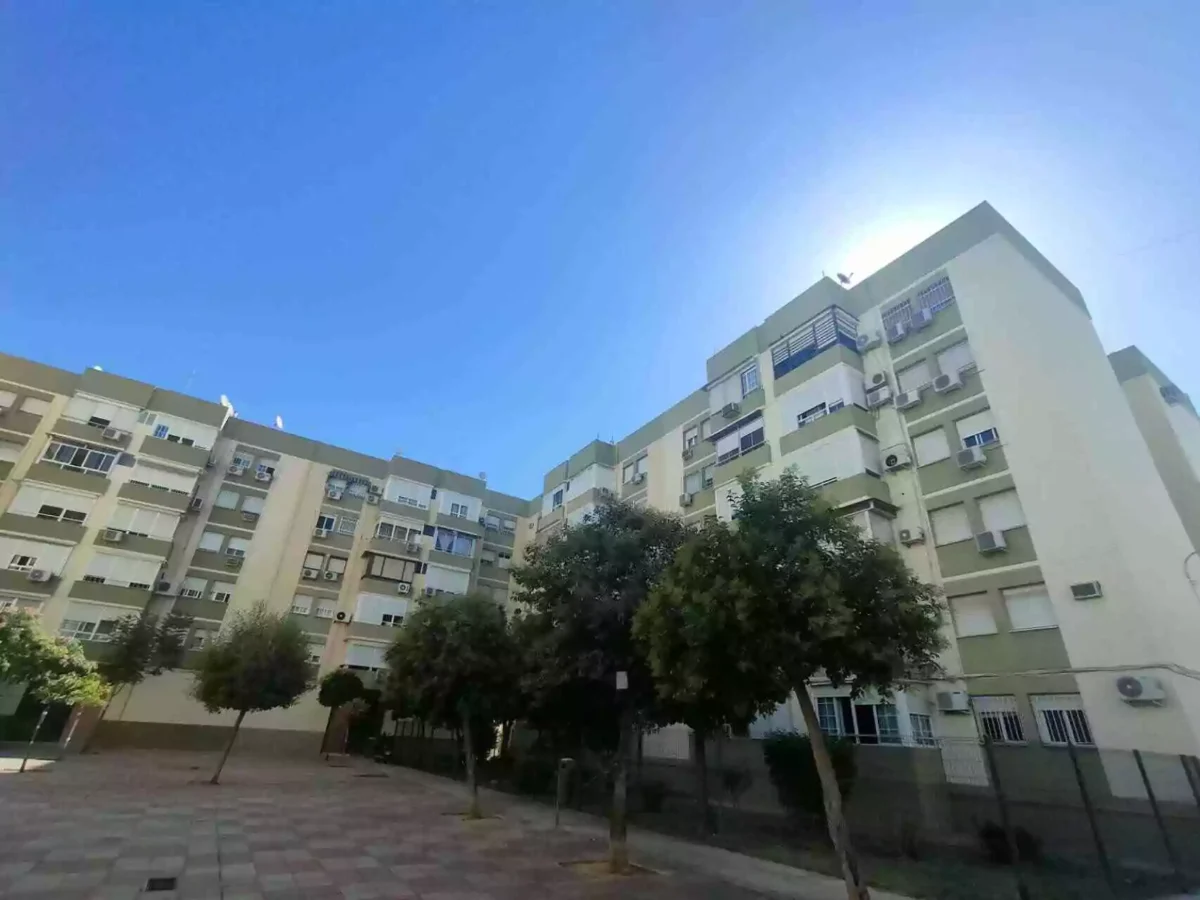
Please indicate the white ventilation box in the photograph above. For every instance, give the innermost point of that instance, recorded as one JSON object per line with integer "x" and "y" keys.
{"x": 908, "y": 399}
{"x": 113, "y": 535}
{"x": 877, "y": 380}
{"x": 910, "y": 536}
{"x": 879, "y": 397}
{"x": 639, "y": 478}
{"x": 971, "y": 458}
{"x": 1086, "y": 590}
{"x": 113, "y": 434}
{"x": 729, "y": 410}
{"x": 403, "y": 587}
{"x": 685, "y": 499}
{"x": 332, "y": 576}
{"x": 39, "y": 575}
{"x": 320, "y": 532}
{"x": 235, "y": 469}
{"x": 947, "y": 382}
{"x": 990, "y": 542}
{"x": 921, "y": 318}
{"x": 310, "y": 574}
{"x": 896, "y": 333}
{"x": 373, "y": 499}
{"x": 953, "y": 702}
{"x": 868, "y": 341}
{"x": 896, "y": 458}
{"x": 333, "y": 493}
{"x": 1141, "y": 689}
{"x": 262, "y": 476}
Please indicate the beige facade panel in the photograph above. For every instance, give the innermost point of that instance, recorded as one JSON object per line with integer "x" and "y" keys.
{"x": 826, "y": 359}
{"x": 691, "y": 407}
{"x": 747, "y": 462}
{"x": 233, "y": 519}
{"x": 19, "y": 422}
{"x": 66, "y": 532}
{"x": 459, "y": 523}
{"x": 441, "y": 558}
{"x": 846, "y": 417}
{"x": 932, "y": 402}
{"x": 140, "y": 493}
{"x": 37, "y": 375}
{"x": 135, "y": 543}
{"x": 89, "y": 434}
{"x": 18, "y": 582}
{"x": 48, "y": 473}
{"x": 209, "y": 610}
{"x": 946, "y": 474}
{"x": 136, "y": 598}
{"x": 196, "y": 457}
{"x": 964, "y": 558}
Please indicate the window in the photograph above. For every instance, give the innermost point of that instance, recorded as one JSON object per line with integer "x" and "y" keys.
{"x": 454, "y": 542}
{"x": 812, "y": 414}
{"x": 314, "y": 560}
{"x": 58, "y": 514}
{"x": 393, "y": 619}
{"x": 705, "y": 429}
{"x": 79, "y": 456}
{"x": 302, "y": 604}
{"x": 10, "y": 451}
{"x": 487, "y": 557}
{"x": 212, "y": 541}
{"x": 162, "y": 479}
{"x": 391, "y": 569}
{"x": 627, "y": 473}
{"x": 558, "y": 499}
{"x": 740, "y": 441}
{"x": 391, "y": 531}
{"x": 888, "y": 723}
{"x": 315, "y": 652}
{"x": 198, "y": 639}
{"x": 707, "y": 472}
{"x": 491, "y": 522}
{"x": 242, "y": 460}
{"x": 220, "y": 592}
{"x": 35, "y": 406}
{"x": 22, "y": 563}
{"x": 237, "y": 546}
{"x": 978, "y": 430}
{"x": 972, "y": 615}
{"x": 161, "y": 431}
{"x": 937, "y": 296}
{"x": 252, "y": 503}
{"x": 950, "y": 525}
{"x": 227, "y": 500}
{"x": 325, "y": 522}
{"x": 1001, "y": 511}
{"x": 827, "y": 715}
{"x": 691, "y": 437}
{"x": 750, "y": 380}
{"x": 125, "y": 571}
{"x": 348, "y": 524}
{"x": 324, "y": 612}
{"x": 914, "y": 377}
{"x": 505, "y": 558}
{"x": 1061, "y": 719}
{"x": 87, "y": 631}
{"x": 922, "y": 729}
{"x": 999, "y": 719}
{"x": 932, "y": 446}
{"x": 1029, "y": 607}
{"x": 336, "y": 565}
{"x": 692, "y": 482}
{"x": 459, "y": 510}
{"x": 955, "y": 359}
{"x": 895, "y": 315}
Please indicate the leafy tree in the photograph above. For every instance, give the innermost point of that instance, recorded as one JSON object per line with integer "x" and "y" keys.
{"x": 141, "y": 645}
{"x": 826, "y": 600}
{"x": 582, "y": 588}
{"x": 53, "y": 669}
{"x": 336, "y": 689}
{"x": 793, "y": 771}
{"x": 257, "y": 662}
{"x": 455, "y": 658}
{"x": 701, "y": 653}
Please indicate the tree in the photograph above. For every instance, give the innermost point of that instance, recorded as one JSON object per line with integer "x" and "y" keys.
{"x": 53, "y": 669}
{"x": 702, "y": 656}
{"x": 257, "y": 662}
{"x": 582, "y": 588}
{"x": 455, "y": 660}
{"x": 336, "y": 689}
{"x": 141, "y": 645}
{"x": 824, "y": 599}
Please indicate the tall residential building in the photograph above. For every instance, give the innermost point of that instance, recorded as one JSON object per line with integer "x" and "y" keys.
{"x": 957, "y": 404}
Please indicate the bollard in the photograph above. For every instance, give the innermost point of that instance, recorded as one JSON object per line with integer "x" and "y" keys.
{"x": 560, "y": 790}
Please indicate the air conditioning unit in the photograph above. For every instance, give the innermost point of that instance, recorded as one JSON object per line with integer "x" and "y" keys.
{"x": 192, "y": 593}
{"x": 250, "y": 516}
{"x": 708, "y": 482}
{"x": 310, "y": 574}
{"x": 113, "y": 434}
{"x": 1139, "y": 689}
{"x": 879, "y": 397}
{"x": 113, "y": 535}
{"x": 412, "y": 547}
{"x": 320, "y": 532}
{"x": 262, "y": 475}
{"x": 639, "y": 478}
{"x": 333, "y": 493}
{"x": 908, "y": 399}
{"x": 953, "y": 702}
{"x": 403, "y": 587}
{"x": 990, "y": 542}
{"x": 235, "y": 469}
{"x": 341, "y": 617}
{"x": 730, "y": 410}
{"x": 1086, "y": 590}
{"x": 910, "y": 536}
{"x": 196, "y": 505}
{"x": 235, "y": 553}
{"x": 374, "y": 489}
{"x": 685, "y": 499}
{"x": 1171, "y": 394}
{"x": 39, "y": 575}
{"x": 233, "y": 562}
{"x": 896, "y": 333}
{"x": 944, "y": 384}
{"x": 877, "y": 380}
{"x": 333, "y": 576}
{"x": 688, "y": 453}
{"x": 868, "y": 341}
{"x": 971, "y": 458}
{"x": 162, "y": 587}
{"x": 921, "y": 318}
{"x": 373, "y": 499}
{"x": 897, "y": 458}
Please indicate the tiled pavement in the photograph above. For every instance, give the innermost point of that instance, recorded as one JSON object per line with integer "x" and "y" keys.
{"x": 101, "y": 826}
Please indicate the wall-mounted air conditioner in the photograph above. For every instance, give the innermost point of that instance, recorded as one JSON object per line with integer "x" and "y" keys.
{"x": 878, "y": 398}
{"x": 921, "y": 318}
{"x": 235, "y": 469}
{"x": 310, "y": 574}
{"x": 910, "y": 536}
{"x": 262, "y": 475}
{"x": 333, "y": 493}
{"x": 341, "y": 617}
{"x": 730, "y": 410}
{"x": 403, "y": 587}
{"x": 908, "y": 399}
{"x": 990, "y": 542}
{"x": 896, "y": 458}
{"x": 39, "y": 575}
{"x": 320, "y": 532}
{"x": 1141, "y": 689}
{"x": 944, "y": 384}
{"x": 113, "y": 434}
{"x": 373, "y": 499}
{"x": 639, "y": 478}
{"x": 1086, "y": 590}
{"x": 333, "y": 576}
{"x": 162, "y": 587}
{"x": 971, "y": 458}
{"x": 868, "y": 341}
{"x": 113, "y": 535}
{"x": 953, "y": 702}
{"x": 685, "y": 499}
{"x": 896, "y": 333}
{"x": 196, "y": 505}
{"x": 876, "y": 380}
{"x": 688, "y": 453}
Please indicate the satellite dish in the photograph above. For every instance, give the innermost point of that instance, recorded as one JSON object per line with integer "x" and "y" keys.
{"x": 279, "y": 422}
{"x": 843, "y": 278}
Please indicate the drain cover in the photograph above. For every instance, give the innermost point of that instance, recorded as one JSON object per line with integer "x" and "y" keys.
{"x": 160, "y": 884}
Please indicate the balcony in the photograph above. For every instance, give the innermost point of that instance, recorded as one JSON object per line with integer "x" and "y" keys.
{"x": 831, "y": 327}
{"x": 386, "y": 547}
{"x": 212, "y": 559}
{"x": 116, "y": 594}
{"x": 47, "y": 528}
{"x": 502, "y": 537}
{"x": 19, "y": 581}
{"x": 372, "y": 632}
{"x": 19, "y": 421}
{"x": 864, "y": 486}
{"x": 135, "y": 543}
{"x": 78, "y": 479}
{"x": 813, "y": 431}
{"x": 756, "y": 399}
{"x": 155, "y": 496}
{"x": 495, "y": 573}
{"x": 199, "y": 608}
{"x": 740, "y": 461}
{"x": 459, "y": 523}
{"x": 455, "y": 560}
{"x": 172, "y": 451}
{"x": 233, "y": 518}
{"x": 90, "y": 434}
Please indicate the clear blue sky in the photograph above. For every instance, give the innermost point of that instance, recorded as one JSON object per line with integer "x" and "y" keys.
{"x": 484, "y": 233}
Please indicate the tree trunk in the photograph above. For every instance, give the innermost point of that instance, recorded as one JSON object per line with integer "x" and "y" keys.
{"x": 216, "y": 779}
{"x": 328, "y": 729}
{"x": 473, "y": 811}
{"x": 835, "y": 820}
{"x": 700, "y": 758}
{"x": 104, "y": 712}
{"x": 33, "y": 737}
{"x": 618, "y": 826}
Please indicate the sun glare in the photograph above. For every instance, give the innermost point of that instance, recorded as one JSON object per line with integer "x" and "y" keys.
{"x": 873, "y": 246}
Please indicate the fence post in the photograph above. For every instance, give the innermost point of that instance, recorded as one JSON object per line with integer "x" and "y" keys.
{"x": 560, "y": 788}
{"x": 1162, "y": 826}
{"x": 1091, "y": 817}
{"x": 1005, "y": 823}
{"x": 1191, "y": 768}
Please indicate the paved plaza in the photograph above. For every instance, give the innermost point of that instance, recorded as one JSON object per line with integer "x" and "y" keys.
{"x": 102, "y": 826}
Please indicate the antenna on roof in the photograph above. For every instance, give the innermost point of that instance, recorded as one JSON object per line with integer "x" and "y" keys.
{"x": 229, "y": 406}
{"x": 279, "y": 422}
{"x": 483, "y": 476}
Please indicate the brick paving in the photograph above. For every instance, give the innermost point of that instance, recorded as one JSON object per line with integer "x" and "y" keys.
{"x": 100, "y": 826}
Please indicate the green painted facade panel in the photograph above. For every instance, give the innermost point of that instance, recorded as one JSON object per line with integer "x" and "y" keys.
{"x": 19, "y": 421}
{"x": 689, "y": 409}
{"x": 925, "y": 344}
{"x": 196, "y": 457}
{"x": 754, "y": 400}
{"x": 19, "y": 581}
{"x": 459, "y": 523}
{"x": 400, "y": 549}
{"x": 371, "y": 632}
{"x": 963, "y": 559}
{"x": 37, "y": 375}
{"x": 495, "y": 575}
{"x": 141, "y": 493}
{"x": 5, "y": 468}
{"x": 747, "y": 462}
{"x": 110, "y": 593}
{"x": 1013, "y": 651}
{"x": 700, "y": 500}
{"x": 211, "y": 559}
{"x": 846, "y": 417}
{"x": 115, "y": 387}
{"x": 42, "y": 528}
{"x": 932, "y": 402}
{"x": 332, "y": 543}
{"x": 49, "y": 473}
{"x": 826, "y": 359}
{"x": 851, "y": 490}
{"x": 192, "y": 408}
{"x": 441, "y": 558}
{"x": 945, "y": 474}
{"x": 501, "y": 538}
{"x": 597, "y": 453}
{"x": 89, "y": 434}
{"x": 136, "y": 543}
{"x": 232, "y": 518}
{"x": 198, "y": 608}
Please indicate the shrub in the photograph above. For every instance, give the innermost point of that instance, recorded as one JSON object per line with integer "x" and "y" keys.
{"x": 794, "y": 772}
{"x": 995, "y": 844}
{"x": 736, "y": 780}
{"x": 654, "y": 796}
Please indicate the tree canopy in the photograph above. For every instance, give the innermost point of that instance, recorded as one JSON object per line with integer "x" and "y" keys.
{"x": 141, "y": 645}
{"x": 55, "y": 670}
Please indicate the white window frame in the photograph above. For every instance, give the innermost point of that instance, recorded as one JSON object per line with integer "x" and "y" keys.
{"x": 691, "y": 437}
{"x": 1062, "y": 720}
{"x": 324, "y": 612}
{"x": 921, "y": 726}
{"x": 347, "y": 524}
{"x": 22, "y": 562}
{"x": 326, "y": 522}
{"x": 557, "y": 499}
{"x": 1047, "y": 617}
{"x": 999, "y": 718}
{"x": 749, "y": 379}
{"x": 226, "y": 505}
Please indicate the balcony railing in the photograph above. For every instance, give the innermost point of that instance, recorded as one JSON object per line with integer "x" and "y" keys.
{"x": 828, "y": 328}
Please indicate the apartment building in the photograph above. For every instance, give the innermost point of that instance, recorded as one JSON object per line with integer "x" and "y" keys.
{"x": 116, "y": 496}
{"x": 958, "y": 403}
